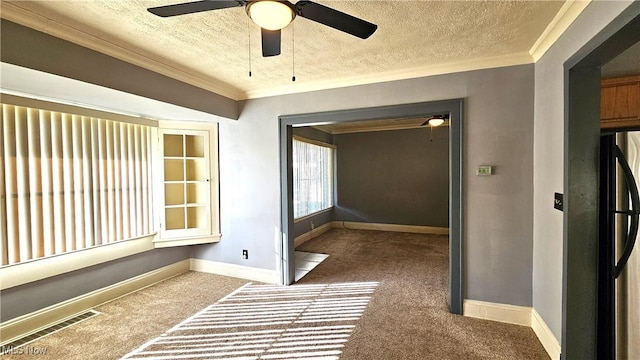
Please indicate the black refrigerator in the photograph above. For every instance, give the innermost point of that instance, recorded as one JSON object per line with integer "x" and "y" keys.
{"x": 618, "y": 317}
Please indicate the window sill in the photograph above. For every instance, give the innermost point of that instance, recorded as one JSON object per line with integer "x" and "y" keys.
{"x": 26, "y": 272}
{"x": 296, "y": 220}
{"x": 187, "y": 241}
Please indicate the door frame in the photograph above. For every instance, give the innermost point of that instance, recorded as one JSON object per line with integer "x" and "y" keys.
{"x": 454, "y": 107}
{"x": 581, "y": 181}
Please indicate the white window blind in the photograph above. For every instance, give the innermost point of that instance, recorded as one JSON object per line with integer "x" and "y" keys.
{"x": 70, "y": 182}
{"x": 312, "y": 178}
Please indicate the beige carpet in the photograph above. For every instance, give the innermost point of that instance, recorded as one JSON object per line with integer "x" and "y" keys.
{"x": 406, "y": 316}
{"x": 130, "y": 321}
{"x": 267, "y": 322}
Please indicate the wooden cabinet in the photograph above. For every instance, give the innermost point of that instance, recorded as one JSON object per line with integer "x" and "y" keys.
{"x": 620, "y": 103}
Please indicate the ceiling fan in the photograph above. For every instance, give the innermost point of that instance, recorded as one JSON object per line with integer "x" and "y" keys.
{"x": 274, "y": 15}
{"x": 436, "y": 120}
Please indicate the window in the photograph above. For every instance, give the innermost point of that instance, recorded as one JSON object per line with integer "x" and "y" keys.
{"x": 312, "y": 177}
{"x": 70, "y": 182}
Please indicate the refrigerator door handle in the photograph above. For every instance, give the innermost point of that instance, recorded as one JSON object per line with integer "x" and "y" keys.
{"x": 633, "y": 213}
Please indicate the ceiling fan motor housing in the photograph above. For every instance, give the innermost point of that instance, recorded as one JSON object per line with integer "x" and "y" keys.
{"x": 271, "y": 14}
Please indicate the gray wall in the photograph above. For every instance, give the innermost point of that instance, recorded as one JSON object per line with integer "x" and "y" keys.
{"x": 498, "y": 130}
{"x": 548, "y": 158}
{"x": 27, "y": 298}
{"x": 393, "y": 177}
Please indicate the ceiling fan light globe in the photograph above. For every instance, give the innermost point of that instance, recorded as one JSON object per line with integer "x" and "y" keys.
{"x": 270, "y": 14}
{"x": 436, "y": 122}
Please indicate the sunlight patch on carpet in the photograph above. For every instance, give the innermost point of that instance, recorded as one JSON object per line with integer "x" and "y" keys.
{"x": 267, "y": 322}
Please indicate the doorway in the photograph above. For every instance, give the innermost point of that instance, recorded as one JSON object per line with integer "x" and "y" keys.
{"x": 580, "y": 304}
{"x": 453, "y": 107}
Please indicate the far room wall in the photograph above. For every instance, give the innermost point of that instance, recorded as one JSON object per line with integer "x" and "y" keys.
{"x": 393, "y": 177}
{"x": 389, "y": 177}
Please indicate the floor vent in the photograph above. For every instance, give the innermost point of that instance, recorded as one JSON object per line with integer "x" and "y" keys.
{"x": 50, "y": 330}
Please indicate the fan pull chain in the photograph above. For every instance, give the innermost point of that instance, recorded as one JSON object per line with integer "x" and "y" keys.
{"x": 293, "y": 52}
{"x": 249, "y": 32}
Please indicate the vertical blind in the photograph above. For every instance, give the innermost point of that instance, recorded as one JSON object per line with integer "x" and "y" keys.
{"x": 312, "y": 178}
{"x": 70, "y": 182}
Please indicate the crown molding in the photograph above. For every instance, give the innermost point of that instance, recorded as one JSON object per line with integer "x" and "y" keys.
{"x": 417, "y": 72}
{"x": 13, "y": 12}
{"x": 563, "y": 19}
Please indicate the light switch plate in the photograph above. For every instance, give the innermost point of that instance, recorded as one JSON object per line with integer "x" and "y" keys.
{"x": 484, "y": 170}
{"x": 558, "y": 201}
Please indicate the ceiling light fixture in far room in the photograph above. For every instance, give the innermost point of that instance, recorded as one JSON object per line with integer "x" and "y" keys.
{"x": 270, "y": 14}
{"x": 436, "y": 121}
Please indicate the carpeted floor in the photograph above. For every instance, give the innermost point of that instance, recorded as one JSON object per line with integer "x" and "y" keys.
{"x": 267, "y": 322}
{"x": 406, "y": 316}
{"x": 128, "y": 322}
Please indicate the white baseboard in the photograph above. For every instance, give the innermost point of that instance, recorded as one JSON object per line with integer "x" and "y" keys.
{"x": 512, "y": 314}
{"x": 237, "y": 271}
{"x": 299, "y": 240}
{"x": 519, "y": 315}
{"x": 391, "y": 227}
{"x": 21, "y": 326}
{"x": 545, "y": 335}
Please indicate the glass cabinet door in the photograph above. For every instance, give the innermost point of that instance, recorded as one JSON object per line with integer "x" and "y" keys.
{"x": 187, "y": 211}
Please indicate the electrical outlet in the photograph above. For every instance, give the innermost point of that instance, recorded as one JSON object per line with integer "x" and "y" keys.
{"x": 245, "y": 254}
{"x": 313, "y": 226}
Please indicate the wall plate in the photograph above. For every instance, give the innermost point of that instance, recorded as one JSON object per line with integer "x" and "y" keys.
{"x": 558, "y": 201}
{"x": 484, "y": 170}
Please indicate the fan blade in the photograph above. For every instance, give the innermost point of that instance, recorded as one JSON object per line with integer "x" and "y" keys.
{"x": 194, "y": 7}
{"x": 270, "y": 42}
{"x": 335, "y": 19}
{"x": 424, "y": 123}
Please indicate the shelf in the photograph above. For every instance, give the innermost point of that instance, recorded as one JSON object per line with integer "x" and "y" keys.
{"x": 187, "y": 187}
{"x": 184, "y": 157}
{"x": 182, "y": 206}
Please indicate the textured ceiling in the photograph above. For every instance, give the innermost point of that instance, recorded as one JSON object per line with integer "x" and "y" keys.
{"x": 211, "y": 49}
